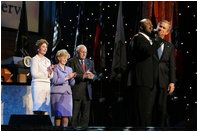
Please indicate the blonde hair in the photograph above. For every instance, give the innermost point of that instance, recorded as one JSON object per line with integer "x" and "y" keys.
{"x": 40, "y": 42}
{"x": 62, "y": 52}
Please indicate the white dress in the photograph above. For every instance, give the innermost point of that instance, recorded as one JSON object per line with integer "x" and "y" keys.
{"x": 40, "y": 84}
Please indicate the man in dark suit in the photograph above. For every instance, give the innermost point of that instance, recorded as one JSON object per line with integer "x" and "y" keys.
{"x": 164, "y": 63}
{"x": 82, "y": 90}
{"x": 143, "y": 51}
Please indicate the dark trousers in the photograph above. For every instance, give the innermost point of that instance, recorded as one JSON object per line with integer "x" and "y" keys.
{"x": 150, "y": 106}
{"x": 81, "y": 111}
{"x": 145, "y": 100}
{"x": 160, "y": 108}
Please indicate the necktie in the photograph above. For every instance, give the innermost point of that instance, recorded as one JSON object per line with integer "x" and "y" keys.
{"x": 83, "y": 66}
{"x": 160, "y": 51}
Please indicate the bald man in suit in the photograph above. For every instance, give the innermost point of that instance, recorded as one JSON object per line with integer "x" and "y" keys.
{"x": 143, "y": 51}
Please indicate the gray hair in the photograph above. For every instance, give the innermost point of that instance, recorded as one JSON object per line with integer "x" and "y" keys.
{"x": 62, "y": 52}
{"x": 80, "y": 46}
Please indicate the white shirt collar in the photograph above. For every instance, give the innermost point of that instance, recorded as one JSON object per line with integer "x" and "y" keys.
{"x": 147, "y": 37}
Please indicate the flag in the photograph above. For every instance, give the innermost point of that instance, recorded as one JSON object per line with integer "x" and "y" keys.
{"x": 21, "y": 47}
{"x": 96, "y": 47}
{"x": 79, "y": 29}
{"x": 98, "y": 53}
{"x": 102, "y": 56}
{"x": 57, "y": 19}
{"x": 119, "y": 63}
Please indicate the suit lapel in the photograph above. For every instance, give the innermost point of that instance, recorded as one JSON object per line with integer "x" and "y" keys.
{"x": 166, "y": 47}
{"x": 87, "y": 65}
{"x": 156, "y": 56}
{"x": 79, "y": 65}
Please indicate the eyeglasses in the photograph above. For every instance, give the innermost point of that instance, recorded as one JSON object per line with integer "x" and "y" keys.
{"x": 83, "y": 52}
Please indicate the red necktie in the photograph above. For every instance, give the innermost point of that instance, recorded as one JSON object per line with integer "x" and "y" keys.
{"x": 83, "y": 66}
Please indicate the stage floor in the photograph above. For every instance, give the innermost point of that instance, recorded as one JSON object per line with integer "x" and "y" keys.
{"x": 90, "y": 128}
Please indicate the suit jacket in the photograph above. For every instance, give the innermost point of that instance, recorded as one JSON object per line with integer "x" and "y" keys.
{"x": 143, "y": 53}
{"x": 82, "y": 86}
{"x": 165, "y": 71}
{"x": 59, "y": 85}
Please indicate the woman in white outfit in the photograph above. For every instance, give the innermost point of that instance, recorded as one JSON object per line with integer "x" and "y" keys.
{"x": 41, "y": 71}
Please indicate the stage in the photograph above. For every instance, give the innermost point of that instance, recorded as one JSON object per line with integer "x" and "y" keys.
{"x": 90, "y": 128}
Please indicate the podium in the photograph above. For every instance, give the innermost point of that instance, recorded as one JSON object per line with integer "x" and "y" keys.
{"x": 18, "y": 69}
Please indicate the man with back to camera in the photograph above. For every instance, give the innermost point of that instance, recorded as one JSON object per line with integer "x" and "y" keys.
{"x": 82, "y": 90}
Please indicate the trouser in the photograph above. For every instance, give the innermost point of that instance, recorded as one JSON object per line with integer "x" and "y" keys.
{"x": 81, "y": 111}
{"x": 160, "y": 108}
{"x": 145, "y": 101}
